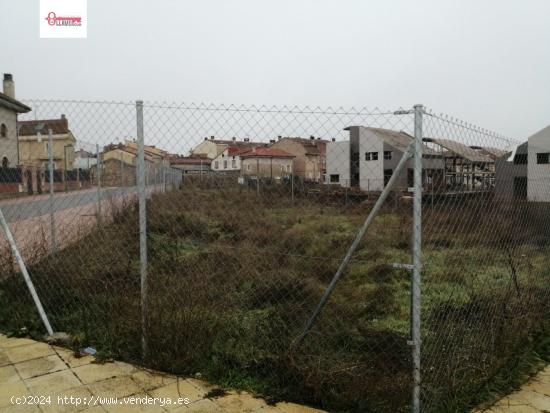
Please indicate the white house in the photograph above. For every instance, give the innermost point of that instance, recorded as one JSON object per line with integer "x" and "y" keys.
{"x": 538, "y": 166}
{"x": 212, "y": 147}
{"x": 228, "y": 160}
{"x": 9, "y": 109}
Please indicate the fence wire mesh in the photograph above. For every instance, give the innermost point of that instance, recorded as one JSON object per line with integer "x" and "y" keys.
{"x": 250, "y": 212}
{"x": 486, "y": 233}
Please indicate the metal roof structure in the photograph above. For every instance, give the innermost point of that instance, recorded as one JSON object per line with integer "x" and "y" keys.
{"x": 494, "y": 152}
{"x": 461, "y": 150}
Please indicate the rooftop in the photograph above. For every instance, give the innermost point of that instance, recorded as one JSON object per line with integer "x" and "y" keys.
{"x": 461, "y": 150}
{"x": 13, "y": 104}
{"x": 398, "y": 139}
{"x": 31, "y": 127}
{"x": 263, "y": 152}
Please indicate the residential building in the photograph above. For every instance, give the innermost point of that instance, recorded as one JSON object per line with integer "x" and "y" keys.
{"x": 119, "y": 161}
{"x": 370, "y": 157}
{"x": 34, "y": 143}
{"x": 191, "y": 164}
{"x": 309, "y": 156}
{"x": 155, "y": 154}
{"x": 9, "y": 109}
{"x": 211, "y": 148}
{"x": 229, "y": 160}
{"x": 84, "y": 159}
{"x": 266, "y": 162}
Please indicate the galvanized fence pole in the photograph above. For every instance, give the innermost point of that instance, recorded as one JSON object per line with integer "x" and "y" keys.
{"x": 416, "y": 258}
{"x": 164, "y": 176}
{"x": 25, "y": 273}
{"x": 50, "y": 167}
{"x": 292, "y": 181}
{"x": 142, "y": 228}
{"x": 98, "y": 169}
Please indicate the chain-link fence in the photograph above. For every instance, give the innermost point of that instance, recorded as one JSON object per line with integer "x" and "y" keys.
{"x": 305, "y": 254}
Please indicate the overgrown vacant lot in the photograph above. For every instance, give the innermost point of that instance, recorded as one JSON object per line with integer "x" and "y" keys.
{"x": 233, "y": 277}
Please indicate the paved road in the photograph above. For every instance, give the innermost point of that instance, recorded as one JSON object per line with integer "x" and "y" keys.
{"x": 23, "y": 209}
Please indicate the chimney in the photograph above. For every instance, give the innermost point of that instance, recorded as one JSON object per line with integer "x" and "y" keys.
{"x": 279, "y": 137}
{"x": 9, "y": 86}
{"x": 272, "y": 141}
{"x": 312, "y": 137}
{"x": 206, "y": 138}
{"x": 212, "y": 138}
{"x": 333, "y": 139}
{"x": 246, "y": 139}
{"x": 234, "y": 139}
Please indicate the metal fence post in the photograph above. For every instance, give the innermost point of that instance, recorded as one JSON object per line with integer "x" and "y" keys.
{"x": 292, "y": 181}
{"x": 25, "y": 273}
{"x": 98, "y": 168}
{"x": 142, "y": 227}
{"x": 52, "y": 213}
{"x": 416, "y": 258}
{"x": 164, "y": 176}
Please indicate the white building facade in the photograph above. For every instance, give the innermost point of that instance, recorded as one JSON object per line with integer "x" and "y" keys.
{"x": 338, "y": 164}
{"x": 538, "y": 166}
{"x": 227, "y": 161}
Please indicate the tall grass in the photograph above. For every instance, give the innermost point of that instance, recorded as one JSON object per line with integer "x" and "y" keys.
{"x": 234, "y": 276}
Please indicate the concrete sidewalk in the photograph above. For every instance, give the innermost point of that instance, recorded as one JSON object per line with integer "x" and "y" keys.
{"x": 532, "y": 397}
{"x": 53, "y": 375}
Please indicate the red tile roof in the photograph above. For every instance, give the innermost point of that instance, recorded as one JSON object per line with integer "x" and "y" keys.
{"x": 58, "y": 126}
{"x": 263, "y": 152}
{"x": 234, "y": 150}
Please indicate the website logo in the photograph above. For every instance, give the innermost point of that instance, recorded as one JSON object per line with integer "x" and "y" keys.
{"x": 53, "y": 20}
{"x": 63, "y": 19}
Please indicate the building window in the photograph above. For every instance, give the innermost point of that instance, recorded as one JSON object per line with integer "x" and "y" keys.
{"x": 335, "y": 178}
{"x": 387, "y": 175}
{"x": 288, "y": 168}
{"x": 371, "y": 156}
{"x": 224, "y": 164}
{"x": 543, "y": 158}
{"x": 216, "y": 165}
{"x": 233, "y": 164}
{"x": 248, "y": 167}
{"x": 5, "y": 162}
{"x": 410, "y": 177}
{"x": 388, "y": 155}
{"x": 3, "y": 131}
{"x": 520, "y": 159}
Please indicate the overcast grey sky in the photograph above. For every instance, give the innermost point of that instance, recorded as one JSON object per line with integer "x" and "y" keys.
{"x": 485, "y": 61}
